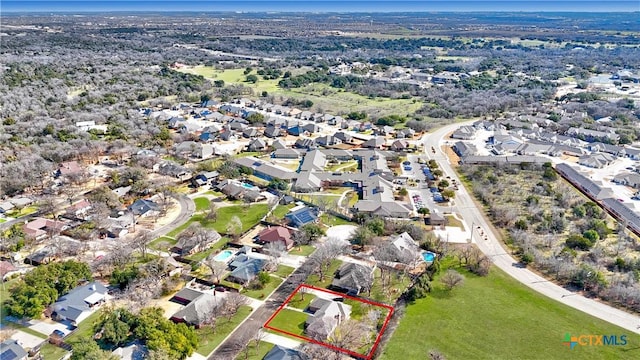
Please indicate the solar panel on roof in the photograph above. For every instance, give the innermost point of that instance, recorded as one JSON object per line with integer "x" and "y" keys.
{"x": 8, "y": 355}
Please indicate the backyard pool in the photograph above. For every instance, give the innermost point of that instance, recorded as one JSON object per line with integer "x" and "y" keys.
{"x": 223, "y": 256}
{"x": 247, "y": 186}
{"x": 428, "y": 256}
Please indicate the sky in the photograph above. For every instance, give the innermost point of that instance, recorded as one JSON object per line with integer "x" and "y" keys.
{"x": 8, "y": 6}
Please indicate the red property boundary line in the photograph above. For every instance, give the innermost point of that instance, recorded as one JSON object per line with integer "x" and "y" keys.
{"x": 333, "y": 347}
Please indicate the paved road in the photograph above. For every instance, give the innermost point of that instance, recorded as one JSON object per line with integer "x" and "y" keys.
{"x": 187, "y": 208}
{"x": 492, "y": 247}
{"x": 234, "y": 343}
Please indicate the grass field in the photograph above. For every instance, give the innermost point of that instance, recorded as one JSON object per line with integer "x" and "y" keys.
{"x": 52, "y": 352}
{"x": 85, "y": 329}
{"x": 255, "y": 351}
{"x": 498, "y": 318}
{"x": 323, "y": 96}
{"x": 314, "y": 279}
{"x": 208, "y": 339}
{"x": 301, "y": 302}
{"x": 264, "y": 292}
{"x": 303, "y": 250}
{"x": 162, "y": 243}
{"x": 249, "y": 217}
{"x": 202, "y": 203}
{"x": 290, "y": 320}
{"x": 331, "y": 220}
{"x": 281, "y": 210}
{"x": 284, "y": 271}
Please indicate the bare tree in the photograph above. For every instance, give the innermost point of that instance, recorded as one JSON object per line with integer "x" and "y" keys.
{"x": 451, "y": 279}
{"x": 233, "y": 302}
{"x": 212, "y": 212}
{"x": 234, "y": 226}
{"x": 140, "y": 241}
{"x": 325, "y": 253}
{"x": 217, "y": 268}
{"x": 276, "y": 250}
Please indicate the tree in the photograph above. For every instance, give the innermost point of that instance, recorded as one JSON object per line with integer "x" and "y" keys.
{"x": 375, "y": 225}
{"x": 114, "y": 330}
{"x": 251, "y": 78}
{"x": 448, "y": 194}
{"x": 276, "y": 251}
{"x": 140, "y": 241}
{"x": 212, "y": 212}
{"x": 312, "y": 232}
{"x": 442, "y": 184}
{"x": 234, "y": 226}
{"x": 452, "y": 279}
{"x": 361, "y": 236}
{"x": 325, "y": 253}
{"x": 88, "y": 349}
{"x": 232, "y": 303}
{"x": 424, "y": 211}
{"x": 403, "y": 192}
{"x": 217, "y": 268}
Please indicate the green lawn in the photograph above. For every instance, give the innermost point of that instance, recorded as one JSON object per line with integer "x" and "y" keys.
{"x": 263, "y": 293}
{"x": 85, "y": 329}
{"x": 162, "y": 243}
{"x": 303, "y": 250}
{"x": 398, "y": 283}
{"x": 314, "y": 279}
{"x": 281, "y": 210}
{"x": 498, "y": 318}
{"x": 202, "y": 203}
{"x": 290, "y": 320}
{"x": 52, "y": 352}
{"x": 301, "y": 302}
{"x": 249, "y": 217}
{"x": 284, "y": 271}
{"x": 27, "y": 210}
{"x": 452, "y": 221}
{"x": 331, "y": 220}
{"x": 255, "y": 352}
{"x": 209, "y": 340}
{"x": 2, "y": 220}
{"x": 4, "y": 290}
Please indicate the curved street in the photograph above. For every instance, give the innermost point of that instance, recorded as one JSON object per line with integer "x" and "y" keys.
{"x": 493, "y": 248}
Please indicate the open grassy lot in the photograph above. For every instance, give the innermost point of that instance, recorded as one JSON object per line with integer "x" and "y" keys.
{"x": 314, "y": 279}
{"x": 162, "y": 243}
{"x": 281, "y": 210}
{"x": 498, "y": 318}
{"x": 255, "y": 351}
{"x": 290, "y": 320}
{"x": 303, "y": 250}
{"x": 300, "y": 301}
{"x": 249, "y": 217}
{"x": 453, "y": 221}
{"x": 202, "y": 203}
{"x": 52, "y": 352}
{"x": 331, "y": 220}
{"x": 4, "y": 291}
{"x": 85, "y": 329}
{"x": 389, "y": 293}
{"x": 209, "y": 339}
{"x": 284, "y": 271}
{"x": 264, "y": 292}
{"x": 323, "y": 96}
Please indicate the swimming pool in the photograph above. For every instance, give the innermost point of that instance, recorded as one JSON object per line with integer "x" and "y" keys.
{"x": 428, "y": 256}
{"x": 247, "y": 186}
{"x": 223, "y": 256}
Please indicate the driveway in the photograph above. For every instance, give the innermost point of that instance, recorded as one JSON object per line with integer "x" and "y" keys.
{"x": 26, "y": 340}
{"x": 280, "y": 340}
{"x": 47, "y": 326}
{"x": 342, "y": 232}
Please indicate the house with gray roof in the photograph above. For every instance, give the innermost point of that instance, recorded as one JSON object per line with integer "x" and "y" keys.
{"x": 257, "y": 145}
{"x": 79, "y": 303}
{"x": 287, "y": 153}
{"x": 628, "y": 179}
{"x": 463, "y": 149}
{"x": 593, "y": 135}
{"x": 592, "y": 188}
{"x": 596, "y": 160}
{"x": 325, "y": 316}
{"x": 352, "y": 278}
{"x": 199, "y": 307}
{"x": 245, "y": 269}
{"x": 376, "y": 142}
{"x": 278, "y": 144}
{"x": 343, "y": 136}
{"x": 272, "y": 132}
{"x": 250, "y": 132}
{"x": 279, "y": 352}
{"x": 464, "y": 133}
{"x": 328, "y": 140}
{"x": 264, "y": 169}
{"x": 143, "y": 207}
{"x": 11, "y": 350}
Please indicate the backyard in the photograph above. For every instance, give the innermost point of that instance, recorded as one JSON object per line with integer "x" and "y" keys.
{"x": 208, "y": 339}
{"x": 477, "y": 319}
{"x": 249, "y": 216}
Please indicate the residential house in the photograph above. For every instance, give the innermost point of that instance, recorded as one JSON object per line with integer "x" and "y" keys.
{"x": 463, "y": 149}
{"x": 301, "y": 216}
{"x": 5, "y": 207}
{"x": 405, "y": 248}
{"x": 272, "y": 132}
{"x": 250, "y": 132}
{"x": 279, "y": 352}
{"x": 328, "y": 140}
{"x": 257, "y": 145}
{"x": 6, "y": 268}
{"x": 205, "y": 178}
{"x": 628, "y": 179}
{"x": 144, "y": 208}
{"x": 305, "y": 143}
{"x": 343, "y": 136}
{"x": 190, "y": 245}
{"x": 311, "y": 128}
{"x": 11, "y": 350}
{"x": 352, "y": 278}
{"x": 199, "y": 307}
{"x": 325, "y": 316}
{"x": 42, "y": 256}
{"x": 79, "y": 303}
{"x": 276, "y": 234}
{"x": 405, "y": 133}
{"x": 383, "y": 130}
{"x": 593, "y": 135}
{"x": 134, "y": 351}
{"x": 593, "y": 189}
{"x": 632, "y": 153}
{"x": 69, "y": 168}
{"x": 38, "y": 228}
{"x": 168, "y": 168}
{"x": 287, "y": 154}
{"x": 245, "y": 269}
{"x": 596, "y": 160}
{"x": 265, "y": 170}
{"x": 436, "y": 219}
{"x": 376, "y": 142}
{"x": 79, "y": 210}
{"x": 121, "y": 191}
{"x": 400, "y": 145}
{"x": 445, "y": 77}
{"x": 464, "y": 133}
{"x": 278, "y": 144}
{"x": 613, "y": 150}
